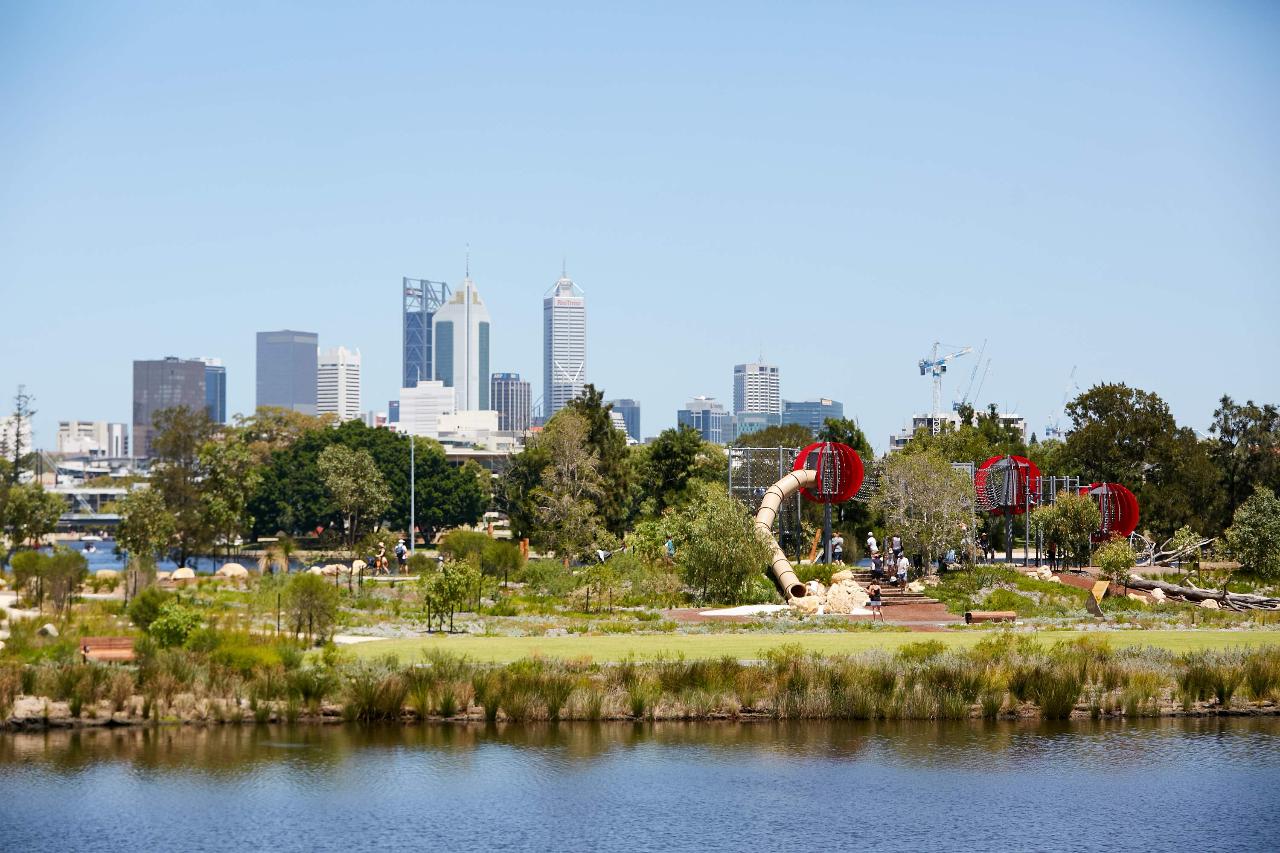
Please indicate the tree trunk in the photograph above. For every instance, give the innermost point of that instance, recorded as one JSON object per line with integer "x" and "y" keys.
{"x": 1233, "y": 600}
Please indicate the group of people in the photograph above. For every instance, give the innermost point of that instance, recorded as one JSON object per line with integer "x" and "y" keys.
{"x": 380, "y": 565}
{"x": 892, "y": 565}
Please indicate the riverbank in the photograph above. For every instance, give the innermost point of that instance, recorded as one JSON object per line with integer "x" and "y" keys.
{"x": 1003, "y": 675}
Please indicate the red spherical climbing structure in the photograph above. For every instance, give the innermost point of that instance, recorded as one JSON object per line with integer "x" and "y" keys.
{"x": 1119, "y": 508}
{"x": 1004, "y": 485}
{"x": 839, "y": 471}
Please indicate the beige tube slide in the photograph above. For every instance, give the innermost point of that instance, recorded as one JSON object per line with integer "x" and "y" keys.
{"x": 780, "y": 566}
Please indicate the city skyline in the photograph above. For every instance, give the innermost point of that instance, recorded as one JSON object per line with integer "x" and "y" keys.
{"x": 1091, "y": 177}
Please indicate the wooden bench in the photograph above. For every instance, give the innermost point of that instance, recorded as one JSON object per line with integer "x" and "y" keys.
{"x": 972, "y": 617}
{"x": 107, "y": 649}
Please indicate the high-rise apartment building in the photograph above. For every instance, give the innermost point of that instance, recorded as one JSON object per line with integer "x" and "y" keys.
{"x": 756, "y": 388}
{"x": 420, "y": 299}
{"x": 287, "y": 370}
{"x": 707, "y": 416}
{"x": 460, "y": 338}
{"x": 564, "y": 345}
{"x": 164, "y": 384}
{"x": 512, "y": 398}
{"x": 811, "y": 413}
{"x": 630, "y": 411}
{"x": 100, "y": 439}
{"x": 338, "y": 383}
{"x": 215, "y": 389}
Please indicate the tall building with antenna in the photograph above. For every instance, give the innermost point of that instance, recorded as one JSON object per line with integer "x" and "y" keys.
{"x": 564, "y": 344}
{"x": 460, "y": 339}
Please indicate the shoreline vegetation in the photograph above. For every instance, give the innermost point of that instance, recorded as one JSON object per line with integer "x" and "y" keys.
{"x": 1005, "y": 675}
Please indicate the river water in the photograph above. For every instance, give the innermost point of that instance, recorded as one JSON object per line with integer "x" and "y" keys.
{"x": 1159, "y": 785}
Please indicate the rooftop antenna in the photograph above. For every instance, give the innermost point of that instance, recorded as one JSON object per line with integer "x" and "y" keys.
{"x": 468, "y": 274}
{"x": 564, "y": 267}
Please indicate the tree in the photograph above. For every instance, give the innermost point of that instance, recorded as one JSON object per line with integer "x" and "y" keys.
{"x": 177, "y": 474}
{"x": 514, "y": 494}
{"x": 1246, "y": 449}
{"x": 356, "y": 485}
{"x": 146, "y": 531}
{"x": 926, "y": 501}
{"x": 446, "y": 591}
{"x": 1069, "y": 522}
{"x": 1125, "y": 435}
{"x": 610, "y": 447}
{"x": 312, "y": 605}
{"x": 666, "y": 466}
{"x": 1254, "y": 535}
{"x": 55, "y": 576}
{"x": 27, "y": 513}
{"x": 1115, "y": 559}
{"x": 979, "y": 436}
{"x": 18, "y": 457}
{"x": 230, "y": 477}
{"x": 273, "y": 428}
{"x": 787, "y": 435}
{"x": 567, "y": 503}
{"x": 717, "y": 547}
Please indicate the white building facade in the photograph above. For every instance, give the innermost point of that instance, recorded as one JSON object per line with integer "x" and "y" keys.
{"x": 422, "y": 406}
{"x": 93, "y": 438}
{"x": 564, "y": 345}
{"x": 338, "y": 383}
{"x": 707, "y": 416}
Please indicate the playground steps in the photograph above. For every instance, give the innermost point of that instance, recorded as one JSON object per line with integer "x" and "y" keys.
{"x": 892, "y": 595}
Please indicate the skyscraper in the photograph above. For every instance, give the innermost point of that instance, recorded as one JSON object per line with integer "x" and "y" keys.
{"x": 512, "y": 398}
{"x": 164, "y": 384}
{"x": 338, "y": 383}
{"x": 287, "y": 370}
{"x": 460, "y": 337}
{"x": 630, "y": 411}
{"x": 215, "y": 389}
{"x": 811, "y": 413}
{"x": 707, "y": 416}
{"x": 756, "y": 388}
{"x": 564, "y": 344}
{"x": 93, "y": 438}
{"x": 420, "y": 299}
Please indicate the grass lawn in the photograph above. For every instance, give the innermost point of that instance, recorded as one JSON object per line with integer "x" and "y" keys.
{"x": 749, "y": 646}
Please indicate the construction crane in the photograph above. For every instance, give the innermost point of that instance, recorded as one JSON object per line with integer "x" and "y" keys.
{"x": 970, "y": 394}
{"x": 934, "y": 366}
{"x": 1054, "y": 428}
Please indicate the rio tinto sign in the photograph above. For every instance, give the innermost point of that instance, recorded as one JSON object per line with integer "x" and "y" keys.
{"x": 569, "y": 301}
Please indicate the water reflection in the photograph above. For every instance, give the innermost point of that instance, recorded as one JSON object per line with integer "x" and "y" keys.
{"x": 973, "y": 745}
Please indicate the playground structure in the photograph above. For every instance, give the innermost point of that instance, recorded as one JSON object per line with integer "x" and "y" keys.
{"x": 825, "y": 472}
{"x": 831, "y": 473}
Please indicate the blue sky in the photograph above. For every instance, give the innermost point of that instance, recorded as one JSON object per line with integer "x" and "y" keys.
{"x": 834, "y": 186}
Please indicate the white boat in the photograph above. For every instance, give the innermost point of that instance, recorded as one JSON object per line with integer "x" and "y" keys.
{"x": 90, "y": 538}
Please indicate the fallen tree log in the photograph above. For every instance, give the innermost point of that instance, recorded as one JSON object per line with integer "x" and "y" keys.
{"x": 1232, "y": 600}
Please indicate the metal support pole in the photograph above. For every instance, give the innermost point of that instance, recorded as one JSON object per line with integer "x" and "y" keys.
{"x": 826, "y": 531}
{"x": 413, "y": 493}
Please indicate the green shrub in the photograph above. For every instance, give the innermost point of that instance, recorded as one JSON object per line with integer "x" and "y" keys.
{"x": 174, "y": 624}
{"x": 146, "y": 605}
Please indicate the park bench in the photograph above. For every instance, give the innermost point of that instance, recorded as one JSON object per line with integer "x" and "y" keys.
{"x": 107, "y": 649}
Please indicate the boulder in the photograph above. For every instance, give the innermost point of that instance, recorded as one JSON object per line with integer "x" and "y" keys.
{"x": 807, "y": 604}
{"x": 1133, "y": 596}
{"x": 1209, "y": 604}
{"x": 48, "y": 629}
{"x": 1053, "y": 579}
{"x": 915, "y": 586}
{"x": 815, "y": 588}
{"x": 846, "y": 597}
{"x": 841, "y": 576}
{"x": 1157, "y": 595}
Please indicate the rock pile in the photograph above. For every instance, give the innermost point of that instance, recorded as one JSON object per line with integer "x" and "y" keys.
{"x": 843, "y": 596}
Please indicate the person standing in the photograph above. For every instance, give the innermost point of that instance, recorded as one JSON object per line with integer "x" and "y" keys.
{"x": 402, "y": 556}
{"x": 897, "y": 546}
{"x": 872, "y": 547}
{"x": 837, "y": 548}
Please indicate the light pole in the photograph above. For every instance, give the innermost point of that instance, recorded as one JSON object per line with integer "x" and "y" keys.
{"x": 412, "y": 494}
